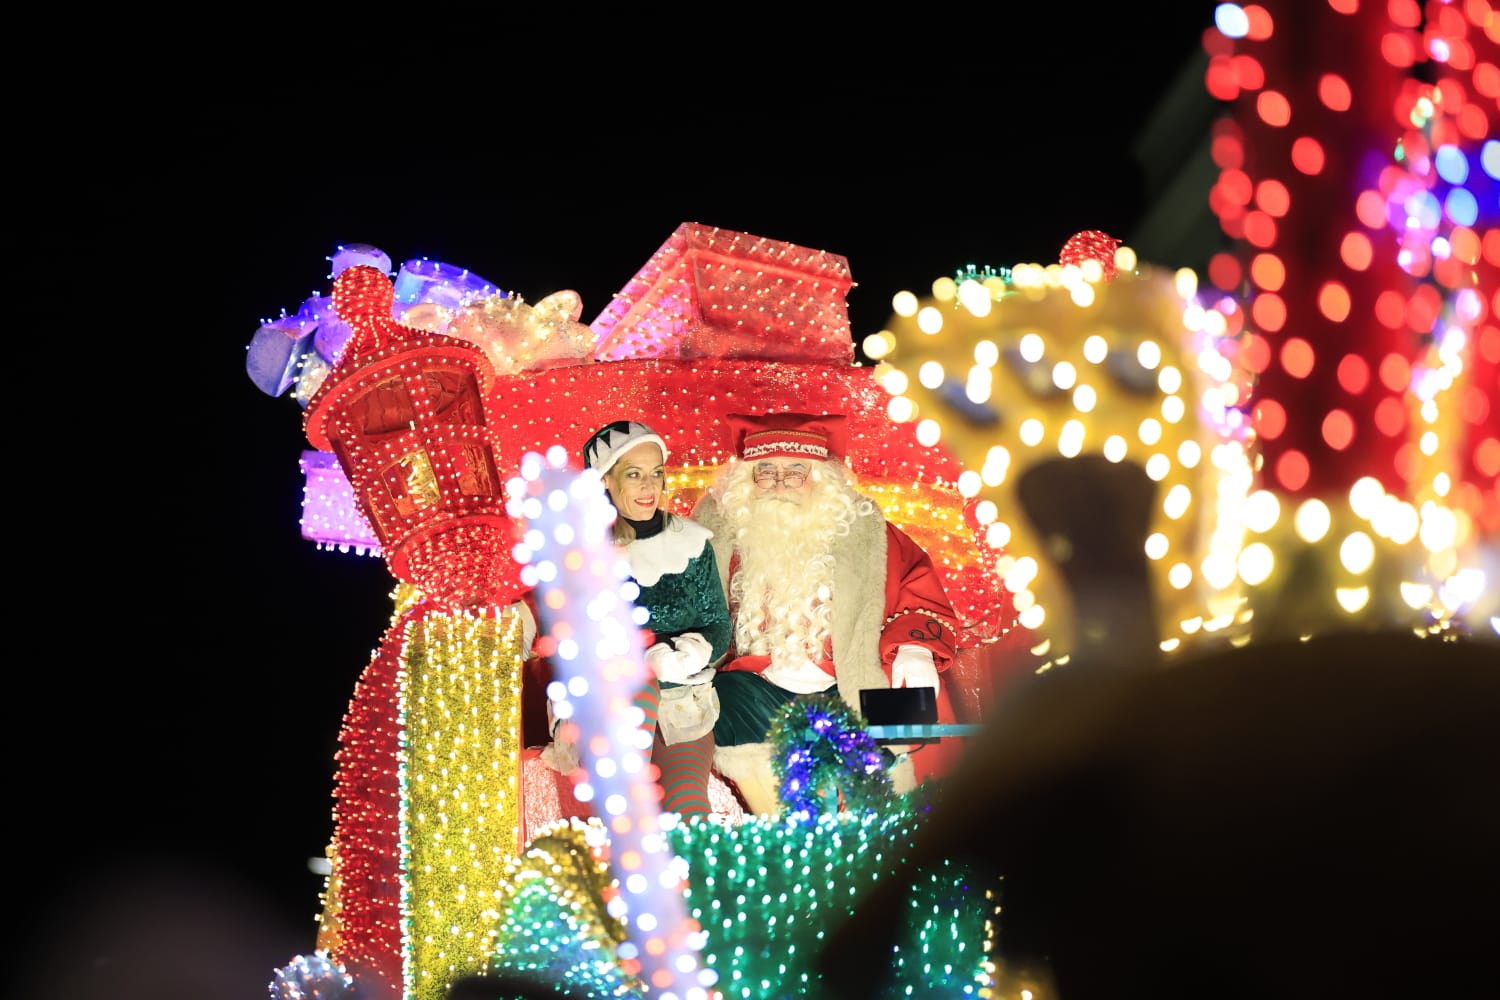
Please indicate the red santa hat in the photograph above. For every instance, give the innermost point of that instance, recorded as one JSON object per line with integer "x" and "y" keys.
{"x": 823, "y": 437}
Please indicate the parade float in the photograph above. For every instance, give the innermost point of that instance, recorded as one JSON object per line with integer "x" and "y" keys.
{"x": 427, "y": 399}
{"x": 1301, "y": 439}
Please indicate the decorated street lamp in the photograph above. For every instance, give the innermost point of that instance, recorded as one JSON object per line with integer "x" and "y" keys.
{"x": 403, "y": 410}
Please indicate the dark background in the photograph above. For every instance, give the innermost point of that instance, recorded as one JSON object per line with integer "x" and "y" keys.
{"x": 200, "y": 652}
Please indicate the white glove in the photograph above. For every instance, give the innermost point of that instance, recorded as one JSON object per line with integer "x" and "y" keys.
{"x": 677, "y": 667}
{"x": 693, "y": 650}
{"x": 914, "y": 667}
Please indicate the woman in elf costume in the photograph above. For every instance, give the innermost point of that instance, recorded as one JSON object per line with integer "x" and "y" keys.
{"x": 673, "y": 563}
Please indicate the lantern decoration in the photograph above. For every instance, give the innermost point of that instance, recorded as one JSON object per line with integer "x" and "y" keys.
{"x": 404, "y": 412}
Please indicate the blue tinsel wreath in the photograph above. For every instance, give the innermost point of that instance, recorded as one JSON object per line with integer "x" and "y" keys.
{"x": 820, "y": 750}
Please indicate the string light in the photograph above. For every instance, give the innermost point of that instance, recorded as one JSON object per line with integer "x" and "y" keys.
{"x": 586, "y": 609}
{"x": 1340, "y": 363}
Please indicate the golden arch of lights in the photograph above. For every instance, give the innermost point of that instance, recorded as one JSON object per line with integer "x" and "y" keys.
{"x": 1120, "y": 359}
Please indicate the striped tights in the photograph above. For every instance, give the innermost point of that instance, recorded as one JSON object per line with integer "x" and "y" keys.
{"x": 683, "y": 767}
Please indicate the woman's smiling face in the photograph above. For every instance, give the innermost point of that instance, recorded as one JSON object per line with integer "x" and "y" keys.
{"x": 637, "y": 481}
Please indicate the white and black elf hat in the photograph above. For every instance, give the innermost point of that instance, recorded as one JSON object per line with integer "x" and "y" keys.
{"x": 606, "y": 446}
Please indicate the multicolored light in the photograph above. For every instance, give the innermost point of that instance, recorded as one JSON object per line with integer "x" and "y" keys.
{"x": 584, "y": 596}
{"x": 1359, "y": 182}
{"x": 1327, "y": 443}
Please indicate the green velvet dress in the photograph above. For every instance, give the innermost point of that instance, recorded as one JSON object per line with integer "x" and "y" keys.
{"x": 679, "y": 579}
{"x": 674, "y": 565}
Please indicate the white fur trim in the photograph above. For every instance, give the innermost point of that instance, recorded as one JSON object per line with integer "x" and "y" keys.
{"x": 668, "y": 551}
{"x": 818, "y": 451}
{"x": 687, "y": 713}
{"x": 748, "y": 765}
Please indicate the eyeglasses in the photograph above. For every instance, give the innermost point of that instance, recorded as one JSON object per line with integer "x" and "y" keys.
{"x": 792, "y": 479}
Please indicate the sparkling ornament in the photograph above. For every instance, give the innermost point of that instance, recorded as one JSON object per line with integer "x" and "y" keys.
{"x": 312, "y": 977}
{"x": 1091, "y": 244}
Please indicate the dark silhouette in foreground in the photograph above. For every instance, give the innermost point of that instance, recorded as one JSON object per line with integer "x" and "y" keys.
{"x": 1294, "y": 819}
{"x": 507, "y": 986}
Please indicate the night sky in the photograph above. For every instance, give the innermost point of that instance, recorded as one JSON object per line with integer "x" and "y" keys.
{"x": 223, "y": 647}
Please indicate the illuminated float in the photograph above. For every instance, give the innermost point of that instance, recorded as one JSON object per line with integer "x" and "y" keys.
{"x": 422, "y": 404}
{"x": 1307, "y": 433}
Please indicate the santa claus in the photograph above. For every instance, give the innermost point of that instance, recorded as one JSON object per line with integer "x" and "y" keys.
{"x": 822, "y": 590}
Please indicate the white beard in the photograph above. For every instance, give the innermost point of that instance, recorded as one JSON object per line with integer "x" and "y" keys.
{"x": 784, "y": 582}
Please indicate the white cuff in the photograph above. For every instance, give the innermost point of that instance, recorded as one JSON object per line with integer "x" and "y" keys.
{"x": 561, "y": 756}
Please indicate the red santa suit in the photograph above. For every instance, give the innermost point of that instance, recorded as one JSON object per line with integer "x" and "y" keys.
{"x": 886, "y": 593}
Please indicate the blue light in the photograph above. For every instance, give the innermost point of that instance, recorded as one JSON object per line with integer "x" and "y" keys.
{"x": 1461, "y": 206}
{"x": 1452, "y": 165}
{"x": 1230, "y": 19}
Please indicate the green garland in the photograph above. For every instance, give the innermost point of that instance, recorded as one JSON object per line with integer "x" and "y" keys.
{"x": 821, "y": 750}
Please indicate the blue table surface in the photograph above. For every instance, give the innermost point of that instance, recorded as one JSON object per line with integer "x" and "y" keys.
{"x": 920, "y": 731}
